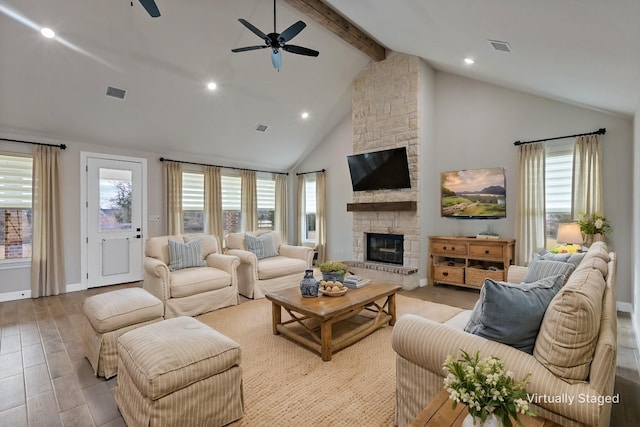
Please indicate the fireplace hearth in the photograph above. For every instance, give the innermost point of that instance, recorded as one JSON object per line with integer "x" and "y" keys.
{"x": 388, "y": 248}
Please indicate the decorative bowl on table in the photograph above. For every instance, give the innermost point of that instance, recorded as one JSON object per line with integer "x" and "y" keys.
{"x": 332, "y": 289}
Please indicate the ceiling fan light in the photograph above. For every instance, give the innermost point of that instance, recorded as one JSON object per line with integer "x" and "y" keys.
{"x": 276, "y": 58}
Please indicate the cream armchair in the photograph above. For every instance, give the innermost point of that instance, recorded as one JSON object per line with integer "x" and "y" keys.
{"x": 193, "y": 290}
{"x": 256, "y": 276}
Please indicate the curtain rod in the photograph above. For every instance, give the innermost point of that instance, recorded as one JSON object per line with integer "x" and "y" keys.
{"x": 304, "y": 173}
{"x": 600, "y": 131}
{"x": 60, "y": 146}
{"x": 162, "y": 159}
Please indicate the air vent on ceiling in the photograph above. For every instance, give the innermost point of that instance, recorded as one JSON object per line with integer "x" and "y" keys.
{"x": 115, "y": 92}
{"x": 262, "y": 128}
{"x": 501, "y": 46}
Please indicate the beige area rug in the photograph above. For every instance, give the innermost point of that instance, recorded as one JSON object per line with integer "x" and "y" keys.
{"x": 287, "y": 385}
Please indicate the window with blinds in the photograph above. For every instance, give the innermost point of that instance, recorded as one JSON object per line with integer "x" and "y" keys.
{"x": 310, "y": 208}
{"x": 558, "y": 187}
{"x": 15, "y": 207}
{"x": 193, "y": 202}
{"x": 266, "y": 189}
{"x": 231, "y": 187}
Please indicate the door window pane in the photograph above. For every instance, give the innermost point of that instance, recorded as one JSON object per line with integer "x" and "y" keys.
{"x": 115, "y": 199}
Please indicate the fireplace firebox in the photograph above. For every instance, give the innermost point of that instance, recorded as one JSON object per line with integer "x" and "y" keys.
{"x": 387, "y": 248}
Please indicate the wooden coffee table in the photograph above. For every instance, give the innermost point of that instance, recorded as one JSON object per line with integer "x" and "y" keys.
{"x": 356, "y": 314}
{"x": 439, "y": 413}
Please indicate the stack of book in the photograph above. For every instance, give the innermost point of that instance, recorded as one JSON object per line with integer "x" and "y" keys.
{"x": 355, "y": 282}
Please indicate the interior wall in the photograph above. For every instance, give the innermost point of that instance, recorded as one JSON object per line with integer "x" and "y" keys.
{"x": 636, "y": 220}
{"x": 474, "y": 126}
{"x": 331, "y": 155}
{"x": 16, "y": 280}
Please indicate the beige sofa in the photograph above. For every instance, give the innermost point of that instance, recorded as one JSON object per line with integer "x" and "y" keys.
{"x": 256, "y": 276}
{"x": 194, "y": 290}
{"x": 573, "y": 361}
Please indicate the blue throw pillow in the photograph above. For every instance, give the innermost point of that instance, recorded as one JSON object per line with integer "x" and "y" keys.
{"x": 512, "y": 313}
{"x": 263, "y": 246}
{"x": 573, "y": 258}
{"x": 539, "y": 269}
{"x": 185, "y": 255}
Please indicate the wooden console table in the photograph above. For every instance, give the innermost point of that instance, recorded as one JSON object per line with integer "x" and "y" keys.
{"x": 439, "y": 413}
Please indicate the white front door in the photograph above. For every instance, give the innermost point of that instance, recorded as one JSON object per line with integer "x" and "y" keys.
{"x": 114, "y": 220}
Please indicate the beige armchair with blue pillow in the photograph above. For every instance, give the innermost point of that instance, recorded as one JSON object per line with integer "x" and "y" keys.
{"x": 561, "y": 330}
{"x": 190, "y": 274}
{"x": 266, "y": 265}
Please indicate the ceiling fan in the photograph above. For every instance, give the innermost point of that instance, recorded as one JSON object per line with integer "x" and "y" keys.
{"x": 151, "y": 7}
{"x": 277, "y": 41}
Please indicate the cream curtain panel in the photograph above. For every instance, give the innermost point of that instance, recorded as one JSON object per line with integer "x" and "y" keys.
{"x": 530, "y": 210}
{"x": 213, "y": 201}
{"x": 282, "y": 207}
{"x": 587, "y": 176}
{"x": 173, "y": 186}
{"x": 321, "y": 229}
{"x": 249, "y": 202}
{"x": 300, "y": 210}
{"x": 47, "y": 258}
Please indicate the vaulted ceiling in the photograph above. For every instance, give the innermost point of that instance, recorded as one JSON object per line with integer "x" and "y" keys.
{"x": 585, "y": 52}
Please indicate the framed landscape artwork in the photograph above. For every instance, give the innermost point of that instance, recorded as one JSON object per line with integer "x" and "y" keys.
{"x": 474, "y": 194}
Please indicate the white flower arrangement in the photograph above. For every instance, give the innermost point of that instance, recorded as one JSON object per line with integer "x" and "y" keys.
{"x": 486, "y": 388}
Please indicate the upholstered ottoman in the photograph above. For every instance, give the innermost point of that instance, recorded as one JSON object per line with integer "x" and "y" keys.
{"x": 179, "y": 372}
{"x": 110, "y": 315}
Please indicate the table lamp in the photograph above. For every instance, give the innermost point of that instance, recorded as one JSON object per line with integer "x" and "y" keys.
{"x": 569, "y": 233}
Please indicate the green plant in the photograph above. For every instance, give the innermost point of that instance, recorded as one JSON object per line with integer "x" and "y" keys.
{"x": 333, "y": 266}
{"x": 593, "y": 224}
{"x": 485, "y": 387}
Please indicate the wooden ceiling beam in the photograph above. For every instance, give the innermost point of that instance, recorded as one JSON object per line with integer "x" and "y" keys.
{"x": 332, "y": 20}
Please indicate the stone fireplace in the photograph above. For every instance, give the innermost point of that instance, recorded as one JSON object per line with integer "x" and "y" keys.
{"x": 385, "y": 247}
{"x": 385, "y": 108}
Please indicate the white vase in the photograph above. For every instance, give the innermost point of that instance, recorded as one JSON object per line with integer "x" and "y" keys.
{"x": 491, "y": 421}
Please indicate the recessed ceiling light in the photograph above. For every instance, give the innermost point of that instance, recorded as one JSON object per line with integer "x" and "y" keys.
{"x": 468, "y": 61}
{"x": 47, "y": 32}
{"x": 304, "y": 115}
{"x": 211, "y": 86}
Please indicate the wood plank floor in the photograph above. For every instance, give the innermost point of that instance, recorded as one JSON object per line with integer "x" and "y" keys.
{"x": 46, "y": 381}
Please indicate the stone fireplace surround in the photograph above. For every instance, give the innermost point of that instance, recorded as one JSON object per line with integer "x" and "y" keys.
{"x": 385, "y": 108}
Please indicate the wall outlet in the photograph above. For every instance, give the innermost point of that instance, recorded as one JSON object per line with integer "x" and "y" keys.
{"x": 154, "y": 217}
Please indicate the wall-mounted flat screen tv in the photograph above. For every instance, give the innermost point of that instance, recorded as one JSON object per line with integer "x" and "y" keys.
{"x": 474, "y": 194}
{"x": 379, "y": 170}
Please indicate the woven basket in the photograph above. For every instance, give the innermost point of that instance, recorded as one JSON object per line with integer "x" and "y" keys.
{"x": 476, "y": 276}
{"x": 448, "y": 272}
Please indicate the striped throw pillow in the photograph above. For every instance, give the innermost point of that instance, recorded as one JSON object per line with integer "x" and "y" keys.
{"x": 539, "y": 269}
{"x": 185, "y": 255}
{"x": 262, "y": 246}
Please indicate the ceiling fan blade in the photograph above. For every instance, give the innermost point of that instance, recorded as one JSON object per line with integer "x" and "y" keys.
{"x": 291, "y": 48}
{"x": 244, "y": 49}
{"x": 276, "y": 58}
{"x": 151, "y": 7}
{"x": 253, "y": 29}
{"x": 292, "y": 31}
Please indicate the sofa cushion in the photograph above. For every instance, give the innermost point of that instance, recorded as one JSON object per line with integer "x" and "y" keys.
{"x": 511, "y": 313}
{"x": 279, "y": 266}
{"x": 539, "y": 269}
{"x": 574, "y": 258}
{"x": 191, "y": 281}
{"x": 262, "y": 246}
{"x": 185, "y": 255}
{"x": 570, "y": 327}
{"x": 123, "y": 307}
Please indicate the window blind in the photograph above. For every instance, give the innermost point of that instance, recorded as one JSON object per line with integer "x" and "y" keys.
{"x": 310, "y": 195}
{"x": 192, "y": 191}
{"x": 558, "y": 177}
{"x": 231, "y": 187}
{"x": 15, "y": 182}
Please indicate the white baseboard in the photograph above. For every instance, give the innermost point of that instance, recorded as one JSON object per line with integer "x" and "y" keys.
{"x": 13, "y": 296}
{"x": 624, "y": 307}
{"x": 16, "y": 295}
